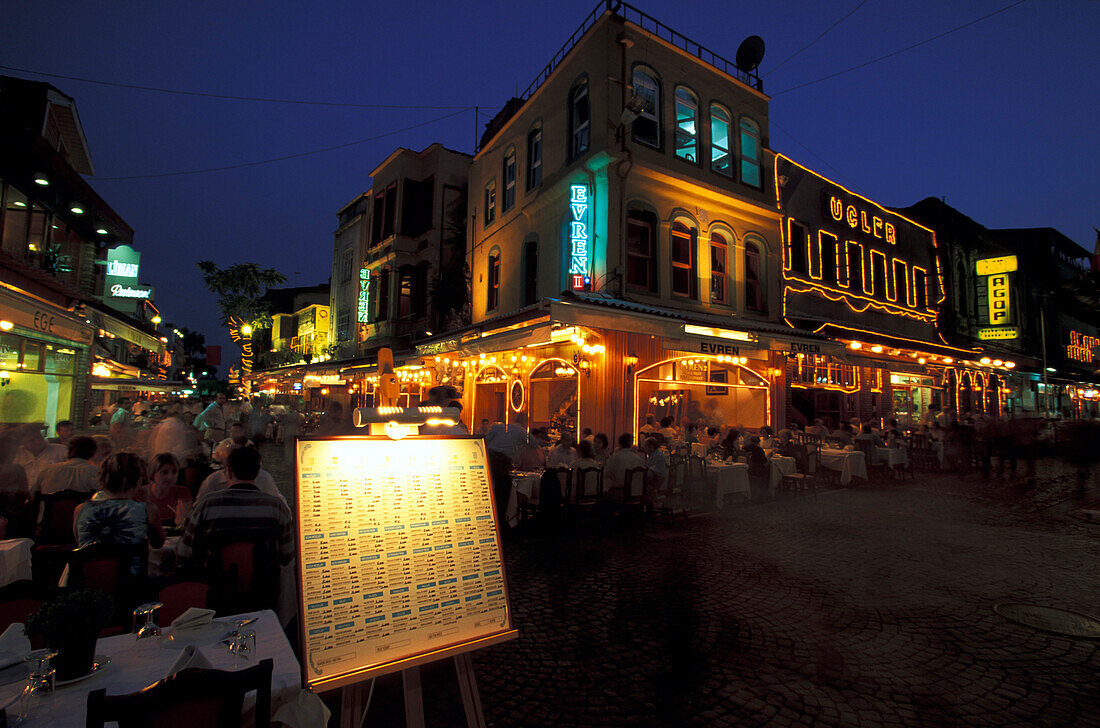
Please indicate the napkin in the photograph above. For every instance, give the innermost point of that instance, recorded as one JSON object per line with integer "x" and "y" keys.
{"x": 189, "y": 657}
{"x": 14, "y": 645}
{"x": 305, "y": 709}
{"x": 193, "y": 617}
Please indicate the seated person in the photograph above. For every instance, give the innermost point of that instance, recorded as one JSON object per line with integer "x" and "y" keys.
{"x": 237, "y": 438}
{"x": 219, "y": 480}
{"x": 584, "y": 461}
{"x": 867, "y": 436}
{"x": 843, "y": 435}
{"x": 691, "y": 433}
{"x": 173, "y": 501}
{"x": 667, "y": 430}
{"x": 112, "y": 515}
{"x": 758, "y": 459}
{"x": 241, "y": 509}
{"x": 76, "y": 473}
{"x": 937, "y": 433}
{"x": 531, "y": 457}
{"x": 818, "y": 428}
{"x": 657, "y": 462}
{"x": 767, "y": 438}
{"x": 730, "y": 446}
{"x": 601, "y": 449}
{"x": 562, "y": 454}
{"x": 713, "y": 439}
{"x": 614, "y": 471}
{"x": 650, "y": 425}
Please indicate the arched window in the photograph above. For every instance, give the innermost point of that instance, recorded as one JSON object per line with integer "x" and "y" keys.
{"x": 719, "y": 269}
{"x": 750, "y": 153}
{"x": 534, "y": 158}
{"x": 580, "y": 117}
{"x": 641, "y": 250}
{"x": 492, "y": 282}
{"x": 508, "y": 175}
{"x": 683, "y": 260}
{"x": 490, "y": 202}
{"x": 754, "y": 277}
{"x": 721, "y": 161}
{"x": 530, "y": 272}
{"x": 687, "y": 125}
{"x": 647, "y": 127}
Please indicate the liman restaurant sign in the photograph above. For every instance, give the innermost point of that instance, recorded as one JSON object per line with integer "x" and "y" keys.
{"x": 121, "y": 281}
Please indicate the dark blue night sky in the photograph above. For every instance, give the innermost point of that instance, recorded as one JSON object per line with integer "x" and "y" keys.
{"x": 1000, "y": 118}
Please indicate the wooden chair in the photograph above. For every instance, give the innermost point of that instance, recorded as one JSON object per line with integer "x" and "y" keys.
{"x": 117, "y": 570}
{"x": 193, "y": 698}
{"x": 668, "y": 498}
{"x": 178, "y": 592}
{"x": 53, "y": 534}
{"x": 635, "y": 492}
{"x": 699, "y": 487}
{"x": 804, "y": 481}
{"x": 243, "y": 571}
{"x": 874, "y": 467}
{"x": 587, "y": 496}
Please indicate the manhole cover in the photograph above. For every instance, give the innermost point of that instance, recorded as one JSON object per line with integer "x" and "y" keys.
{"x": 1049, "y": 619}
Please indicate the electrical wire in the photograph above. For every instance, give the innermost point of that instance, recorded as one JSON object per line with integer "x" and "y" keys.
{"x": 283, "y": 158}
{"x": 817, "y": 156}
{"x": 815, "y": 40}
{"x": 900, "y": 51}
{"x": 231, "y": 97}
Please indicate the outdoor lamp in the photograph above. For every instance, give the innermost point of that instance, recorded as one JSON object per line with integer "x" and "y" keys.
{"x": 246, "y": 329}
{"x": 76, "y": 209}
{"x": 6, "y": 325}
{"x": 41, "y": 179}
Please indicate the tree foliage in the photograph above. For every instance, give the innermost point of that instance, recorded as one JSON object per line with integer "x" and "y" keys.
{"x": 238, "y": 288}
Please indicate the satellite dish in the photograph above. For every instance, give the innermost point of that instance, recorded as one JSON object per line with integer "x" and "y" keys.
{"x": 750, "y": 53}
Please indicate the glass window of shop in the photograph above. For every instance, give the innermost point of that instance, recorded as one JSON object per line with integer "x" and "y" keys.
{"x": 40, "y": 380}
{"x": 697, "y": 388}
{"x": 16, "y": 212}
{"x": 554, "y": 391}
{"x": 490, "y": 395}
{"x": 912, "y": 396}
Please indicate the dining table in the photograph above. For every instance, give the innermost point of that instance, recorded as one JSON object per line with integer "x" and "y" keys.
{"x": 778, "y": 466}
{"x": 849, "y": 463}
{"x": 729, "y": 478}
{"x": 524, "y": 485}
{"x": 892, "y": 456}
{"x": 131, "y": 664}
{"x": 15, "y": 560}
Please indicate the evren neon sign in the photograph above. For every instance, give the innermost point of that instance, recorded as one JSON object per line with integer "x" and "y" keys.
{"x": 578, "y": 237}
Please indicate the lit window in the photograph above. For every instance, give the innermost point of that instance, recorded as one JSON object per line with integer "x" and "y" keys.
{"x": 534, "y": 158}
{"x": 580, "y": 115}
{"x": 493, "y": 283}
{"x": 404, "y": 291}
{"x": 720, "y": 159}
{"x": 508, "y": 174}
{"x": 683, "y": 260}
{"x": 490, "y": 202}
{"x": 750, "y": 153}
{"x": 754, "y": 293}
{"x": 687, "y": 125}
{"x": 647, "y": 127}
{"x": 641, "y": 253}
{"x": 719, "y": 292}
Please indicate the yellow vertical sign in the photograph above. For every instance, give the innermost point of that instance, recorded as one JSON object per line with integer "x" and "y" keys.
{"x": 998, "y": 299}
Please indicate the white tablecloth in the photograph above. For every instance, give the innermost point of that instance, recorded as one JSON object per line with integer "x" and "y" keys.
{"x": 938, "y": 448}
{"x": 780, "y": 465}
{"x": 729, "y": 478}
{"x": 134, "y": 665}
{"x": 850, "y": 463}
{"x": 892, "y": 456}
{"x": 15, "y": 560}
{"x": 527, "y": 485}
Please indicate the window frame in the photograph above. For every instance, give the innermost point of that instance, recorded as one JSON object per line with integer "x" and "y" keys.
{"x": 729, "y": 149}
{"x": 753, "y": 133}
{"x": 643, "y": 217}
{"x": 508, "y": 167}
{"x": 755, "y": 249}
{"x": 490, "y": 214}
{"x": 653, "y": 116}
{"x": 690, "y": 102}
{"x": 580, "y": 89}
{"x": 534, "y": 157}
{"x": 719, "y": 240}
{"x": 530, "y": 272}
{"x": 690, "y": 266}
{"x": 492, "y": 281}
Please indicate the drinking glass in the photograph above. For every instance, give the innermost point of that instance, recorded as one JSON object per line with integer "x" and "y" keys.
{"x": 242, "y": 645}
{"x": 40, "y": 683}
{"x": 145, "y": 620}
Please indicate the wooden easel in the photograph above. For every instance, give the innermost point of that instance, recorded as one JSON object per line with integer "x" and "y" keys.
{"x": 353, "y": 697}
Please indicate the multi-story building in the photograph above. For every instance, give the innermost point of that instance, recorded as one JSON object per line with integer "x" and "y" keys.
{"x": 68, "y": 341}
{"x": 349, "y": 289}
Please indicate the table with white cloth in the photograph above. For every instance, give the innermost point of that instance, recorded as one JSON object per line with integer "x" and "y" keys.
{"x": 778, "y": 466}
{"x": 523, "y": 484}
{"x": 938, "y": 448}
{"x": 729, "y": 478}
{"x": 850, "y": 463}
{"x": 892, "y": 456}
{"x": 15, "y": 560}
{"x": 135, "y": 665}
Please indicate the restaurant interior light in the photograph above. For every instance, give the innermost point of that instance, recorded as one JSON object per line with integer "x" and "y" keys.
{"x": 76, "y": 210}
{"x": 41, "y": 179}
{"x": 6, "y": 325}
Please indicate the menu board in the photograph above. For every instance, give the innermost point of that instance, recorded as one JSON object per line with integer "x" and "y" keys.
{"x": 399, "y": 555}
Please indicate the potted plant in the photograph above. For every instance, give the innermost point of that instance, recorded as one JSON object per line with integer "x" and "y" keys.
{"x": 70, "y": 625}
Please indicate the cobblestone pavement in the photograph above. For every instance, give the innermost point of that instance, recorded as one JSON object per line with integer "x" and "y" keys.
{"x": 855, "y": 607}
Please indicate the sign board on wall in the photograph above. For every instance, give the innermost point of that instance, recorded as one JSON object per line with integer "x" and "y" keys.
{"x": 580, "y": 239}
{"x": 400, "y": 559}
{"x": 121, "y": 289}
{"x": 995, "y": 305}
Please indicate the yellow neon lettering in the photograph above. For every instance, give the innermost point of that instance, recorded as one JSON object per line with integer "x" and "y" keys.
{"x": 853, "y": 218}
{"x": 863, "y": 221}
{"x": 878, "y": 227}
{"x": 836, "y": 208}
{"x": 891, "y": 237}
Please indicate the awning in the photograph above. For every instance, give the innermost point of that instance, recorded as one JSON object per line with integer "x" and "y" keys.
{"x": 140, "y": 385}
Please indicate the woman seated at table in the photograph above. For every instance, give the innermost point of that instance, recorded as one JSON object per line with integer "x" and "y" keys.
{"x": 561, "y": 455}
{"x": 843, "y": 435}
{"x": 730, "y": 446}
{"x": 531, "y": 457}
{"x": 767, "y": 438}
{"x": 112, "y": 515}
{"x": 601, "y": 448}
{"x": 758, "y": 462}
{"x": 173, "y": 502}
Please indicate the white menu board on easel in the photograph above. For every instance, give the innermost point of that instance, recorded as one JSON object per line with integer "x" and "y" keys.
{"x": 399, "y": 555}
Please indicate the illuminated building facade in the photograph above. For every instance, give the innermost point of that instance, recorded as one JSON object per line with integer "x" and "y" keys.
{"x": 67, "y": 343}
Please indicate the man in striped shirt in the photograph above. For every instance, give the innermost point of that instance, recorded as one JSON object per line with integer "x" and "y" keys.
{"x": 240, "y": 512}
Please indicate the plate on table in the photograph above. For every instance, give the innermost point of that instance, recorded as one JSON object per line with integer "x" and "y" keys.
{"x": 203, "y": 634}
{"x": 98, "y": 665}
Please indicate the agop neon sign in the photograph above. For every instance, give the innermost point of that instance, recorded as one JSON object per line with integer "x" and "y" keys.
{"x": 578, "y": 236}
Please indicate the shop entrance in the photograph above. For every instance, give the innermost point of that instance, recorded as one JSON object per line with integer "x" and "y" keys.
{"x": 694, "y": 388}
{"x": 913, "y": 395}
{"x": 490, "y": 395}
{"x": 554, "y": 393}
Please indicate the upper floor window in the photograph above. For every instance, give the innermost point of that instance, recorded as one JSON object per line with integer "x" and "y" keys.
{"x": 530, "y": 272}
{"x": 508, "y": 174}
{"x": 719, "y": 277}
{"x": 754, "y": 279}
{"x": 580, "y": 117}
{"x": 641, "y": 250}
{"x": 750, "y": 153}
{"x": 490, "y": 202}
{"x": 405, "y": 291}
{"x": 385, "y": 214}
{"x": 683, "y": 260}
{"x": 797, "y": 248}
{"x": 647, "y": 127}
{"x": 384, "y": 295}
{"x": 345, "y": 267}
{"x": 687, "y": 125}
{"x": 721, "y": 161}
{"x": 534, "y": 158}
{"x": 492, "y": 299}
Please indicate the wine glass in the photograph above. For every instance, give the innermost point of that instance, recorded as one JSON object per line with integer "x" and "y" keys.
{"x": 40, "y": 682}
{"x": 146, "y": 615}
{"x": 242, "y": 644}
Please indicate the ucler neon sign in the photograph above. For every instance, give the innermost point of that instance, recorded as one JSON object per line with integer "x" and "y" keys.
{"x": 579, "y": 243}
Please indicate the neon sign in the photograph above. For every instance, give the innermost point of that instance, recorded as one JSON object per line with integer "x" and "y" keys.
{"x": 363, "y": 309}
{"x": 858, "y": 219}
{"x": 998, "y": 334}
{"x": 578, "y": 236}
{"x": 1081, "y": 346}
{"x": 993, "y": 266}
{"x": 998, "y": 299}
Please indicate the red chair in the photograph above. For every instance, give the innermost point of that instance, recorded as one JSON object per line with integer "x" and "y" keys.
{"x": 177, "y": 593}
{"x": 54, "y": 537}
{"x": 18, "y": 601}
{"x": 243, "y": 572}
{"x": 192, "y": 698}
